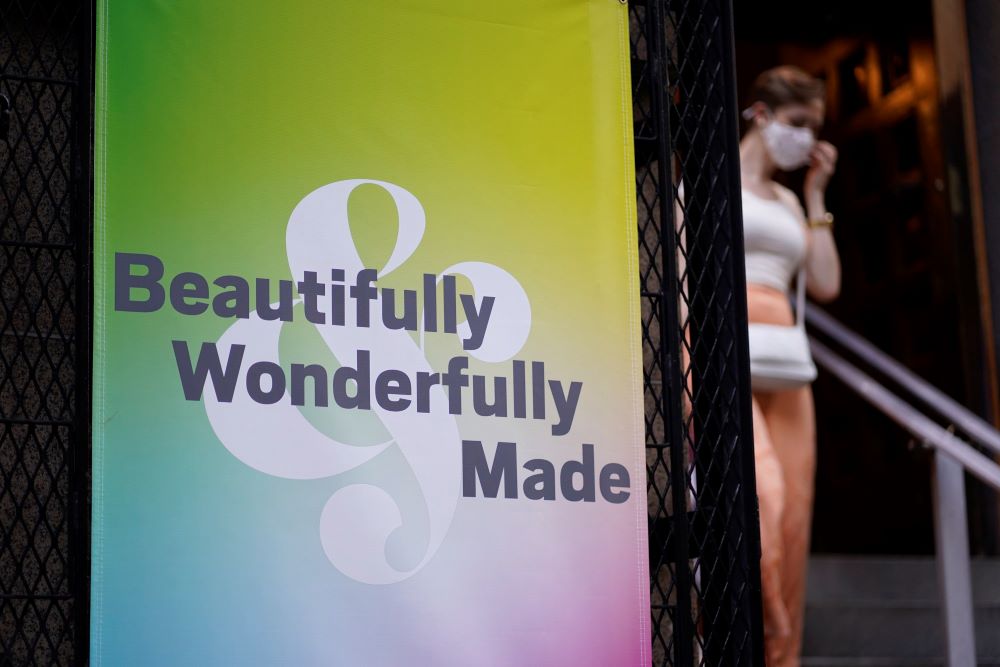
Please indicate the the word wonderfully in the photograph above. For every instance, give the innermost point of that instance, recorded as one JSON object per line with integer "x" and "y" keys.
{"x": 354, "y": 387}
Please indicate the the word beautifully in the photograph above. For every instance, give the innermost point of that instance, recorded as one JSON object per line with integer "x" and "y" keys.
{"x": 190, "y": 294}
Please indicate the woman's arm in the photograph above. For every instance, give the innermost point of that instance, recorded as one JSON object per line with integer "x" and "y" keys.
{"x": 822, "y": 259}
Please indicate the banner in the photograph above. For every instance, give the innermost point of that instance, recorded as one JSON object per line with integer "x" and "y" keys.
{"x": 367, "y": 372}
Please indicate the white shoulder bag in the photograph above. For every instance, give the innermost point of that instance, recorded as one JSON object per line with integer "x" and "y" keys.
{"x": 779, "y": 355}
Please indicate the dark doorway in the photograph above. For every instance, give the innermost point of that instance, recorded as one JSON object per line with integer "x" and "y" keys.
{"x": 908, "y": 264}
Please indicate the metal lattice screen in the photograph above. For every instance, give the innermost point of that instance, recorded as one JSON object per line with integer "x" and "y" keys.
{"x": 704, "y": 578}
{"x": 44, "y": 451}
{"x": 704, "y": 537}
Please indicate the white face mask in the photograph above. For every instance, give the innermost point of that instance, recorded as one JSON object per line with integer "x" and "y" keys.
{"x": 788, "y": 146}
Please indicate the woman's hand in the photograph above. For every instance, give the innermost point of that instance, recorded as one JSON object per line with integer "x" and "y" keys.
{"x": 823, "y": 162}
{"x": 823, "y": 262}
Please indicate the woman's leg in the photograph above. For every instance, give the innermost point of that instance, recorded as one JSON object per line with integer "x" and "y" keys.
{"x": 771, "y": 498}
{"x": 787, "y": 435}
{"x": 791, "y": 427}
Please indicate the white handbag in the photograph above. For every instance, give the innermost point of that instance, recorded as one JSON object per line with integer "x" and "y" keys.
{"x": 779, "y": 355}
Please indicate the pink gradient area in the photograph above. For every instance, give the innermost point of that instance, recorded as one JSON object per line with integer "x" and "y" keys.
{"x": 493, "y": 600}
{"x": 540, "y": 591}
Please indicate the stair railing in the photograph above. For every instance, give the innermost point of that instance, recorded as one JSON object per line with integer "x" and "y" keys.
{"x": 964, "y": 419}
{"x": 953, "y": 456}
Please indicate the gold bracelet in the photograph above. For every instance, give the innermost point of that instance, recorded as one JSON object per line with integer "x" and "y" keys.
{"x": 819, "y": 223}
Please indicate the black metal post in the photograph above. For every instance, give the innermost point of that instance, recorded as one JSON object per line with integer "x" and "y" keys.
{"x": 667, "y": 307}
{"x": 708, "y": 140}
{"x": 80, "y": 459}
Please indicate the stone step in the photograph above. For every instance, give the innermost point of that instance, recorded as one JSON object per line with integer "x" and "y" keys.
{"x": 891, "y": 632}
{"x": 860, "y": 579}
{"x": 886, "y": 611}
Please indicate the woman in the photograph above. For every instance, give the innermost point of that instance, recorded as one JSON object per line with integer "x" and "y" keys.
{"x": 781, "y": 237}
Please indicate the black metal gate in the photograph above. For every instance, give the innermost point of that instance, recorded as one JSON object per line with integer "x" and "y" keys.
{"x": 704, "y": 538}
{"x": 44, "y": 330}
{"x": 704, "y": 544}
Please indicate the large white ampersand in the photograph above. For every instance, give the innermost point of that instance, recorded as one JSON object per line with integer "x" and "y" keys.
{"x": 278, "y": 440}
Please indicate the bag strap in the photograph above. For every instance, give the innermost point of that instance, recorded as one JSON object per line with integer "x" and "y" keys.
{"x": 800, "y": 298}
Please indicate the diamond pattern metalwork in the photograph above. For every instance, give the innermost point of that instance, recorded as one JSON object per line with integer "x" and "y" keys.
{"x": 704, "y": 538}
{"x": 44, "y": 226}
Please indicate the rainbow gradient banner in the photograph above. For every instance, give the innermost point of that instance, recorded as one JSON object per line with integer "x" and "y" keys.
{"x": 367, "y": 369}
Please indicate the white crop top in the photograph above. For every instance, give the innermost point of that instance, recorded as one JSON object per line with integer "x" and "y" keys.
{"x": 774, "y": 240}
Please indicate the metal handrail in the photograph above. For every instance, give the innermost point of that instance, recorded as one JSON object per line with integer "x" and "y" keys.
{"x": 904, "y": 414}
{"x": 952, "y": 458}
{"x": 964, "y": 419}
